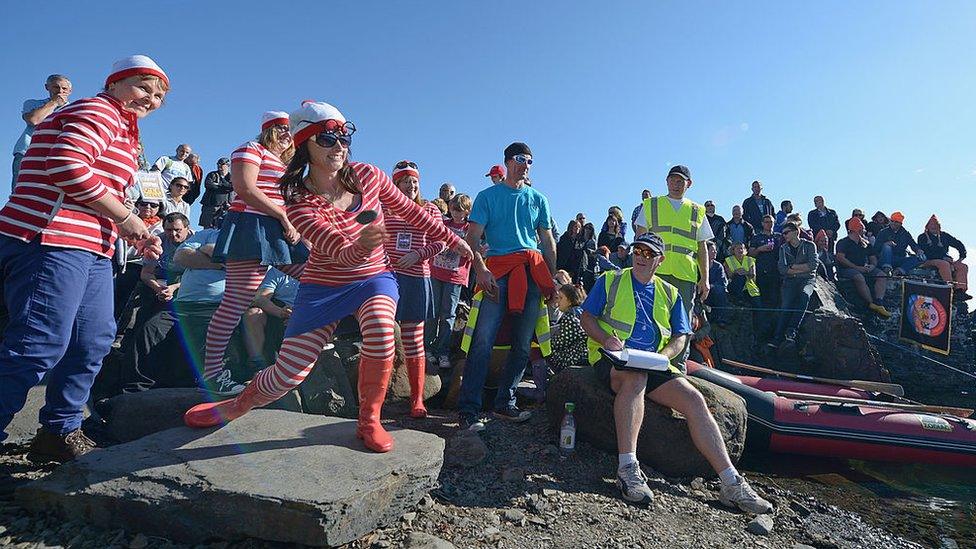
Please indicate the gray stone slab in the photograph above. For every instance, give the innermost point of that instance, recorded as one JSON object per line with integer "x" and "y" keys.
{"x": 272, "y": 475}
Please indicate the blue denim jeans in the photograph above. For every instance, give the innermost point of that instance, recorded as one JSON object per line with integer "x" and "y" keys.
{"x": 61, "y": 324}
{"x": 796, "y": 294}
{"x": 903, "y": 262}
{"x": 490, "y": 318}
{"x": 446, "y": 297}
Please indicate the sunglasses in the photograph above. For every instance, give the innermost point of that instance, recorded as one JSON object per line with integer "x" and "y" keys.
{"x": 646, "y": 253}
{"x": 180, "y": 186}
{"x": 146, "y": 205}
{"x": 405, "y": 163}
{"x": 522, "y": 159}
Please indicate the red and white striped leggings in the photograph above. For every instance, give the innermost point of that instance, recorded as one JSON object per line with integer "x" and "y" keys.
{"x": 299, "y": 353}
{"x": 243, "y": 279}
{"x": 412, "y": 336}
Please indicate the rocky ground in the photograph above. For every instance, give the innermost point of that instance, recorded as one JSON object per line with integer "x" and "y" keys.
{"x": 511, "y": 488}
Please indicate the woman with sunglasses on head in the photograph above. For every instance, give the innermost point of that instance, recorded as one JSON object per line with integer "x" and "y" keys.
{"x": 410, "y": 253}
{"x": 255, "y": 235}
{"x": 338, "y": 207}
{"x": 57, "y": 239}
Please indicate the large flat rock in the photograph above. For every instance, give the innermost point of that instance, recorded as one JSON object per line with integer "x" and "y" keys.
{"x": 272, "y": 475}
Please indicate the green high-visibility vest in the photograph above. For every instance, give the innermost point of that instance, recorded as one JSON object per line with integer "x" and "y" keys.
{"x": 679, "y": 231}
{"x": 542, "y": 334}
{"x": 620, "y": 312}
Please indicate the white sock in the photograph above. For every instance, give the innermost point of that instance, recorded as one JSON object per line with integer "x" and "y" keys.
{"x": 626, "y": 459}
{"x": 729, "y": 476}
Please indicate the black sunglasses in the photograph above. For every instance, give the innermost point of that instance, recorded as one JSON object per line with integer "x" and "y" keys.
{"x": 404, "y": 163}
{"x": 147, "y": 204}
{"x": 180, "y": 185}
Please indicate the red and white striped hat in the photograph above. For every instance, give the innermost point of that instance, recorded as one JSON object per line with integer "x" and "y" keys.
{"x": 273, "y": 118}
{"x": 403, "y": 169}
{"x": 311, "y": 118}
{"x": 133, "y": 65}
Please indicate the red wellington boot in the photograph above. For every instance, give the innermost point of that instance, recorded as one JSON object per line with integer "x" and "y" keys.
{"x": 374, "y": 378}
{"x": 210, "y": 414}
{"x": 416, "y": 370}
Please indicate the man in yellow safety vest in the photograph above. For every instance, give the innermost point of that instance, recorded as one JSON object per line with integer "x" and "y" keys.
{"x": 682, "y": 225}
{"x": 634, "y": 309}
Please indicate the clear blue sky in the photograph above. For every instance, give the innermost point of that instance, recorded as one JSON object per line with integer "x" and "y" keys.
{"x": 869, "y": 103}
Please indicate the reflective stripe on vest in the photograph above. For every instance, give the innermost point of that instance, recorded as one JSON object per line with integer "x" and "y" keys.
{"x": 620, "y": 312}
{"x": 543, "y": 335}
{"x": 747, "y": 263}
{"x": 679, "y": 231}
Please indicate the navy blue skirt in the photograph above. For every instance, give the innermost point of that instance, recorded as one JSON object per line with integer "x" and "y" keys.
{"x": 245, "y": 236}
{"x": 317, "y": 305}
{"x": 416, "y": 298}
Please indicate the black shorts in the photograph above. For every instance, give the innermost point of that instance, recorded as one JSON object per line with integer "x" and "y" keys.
{"x": 654, "y": 378}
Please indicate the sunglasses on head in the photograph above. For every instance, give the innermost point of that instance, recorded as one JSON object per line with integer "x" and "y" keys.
{"x": 404, "y": 164}
{"x": 644, "y": 252}
{"x": 522, "y": 159}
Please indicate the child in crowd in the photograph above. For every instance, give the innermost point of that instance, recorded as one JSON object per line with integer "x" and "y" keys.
{"x": 568, "y": 337}
{"x": 718, "y": 297}
{"x": 448, "y": 274}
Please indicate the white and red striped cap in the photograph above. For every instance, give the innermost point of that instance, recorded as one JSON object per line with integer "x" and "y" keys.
{"x": 311, "y": 118}
{"x": 404, "y": 168}
{"x": 273, "y": 118}
{"x": 133, "y": 65}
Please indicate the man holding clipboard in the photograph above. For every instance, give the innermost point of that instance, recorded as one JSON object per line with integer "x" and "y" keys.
{"x": 637, "y": 326}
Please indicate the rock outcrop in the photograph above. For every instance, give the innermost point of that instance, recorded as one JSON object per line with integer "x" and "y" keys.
{"x": 664, "y": 442}
{"x": 271, "y": 475}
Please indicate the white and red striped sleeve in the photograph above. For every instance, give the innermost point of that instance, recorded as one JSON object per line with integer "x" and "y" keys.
{"x": 86, "y": 133}
{"x": 391, "y": 197}
{"x": 435, "y": 246}
{"x": 313, "y": 226}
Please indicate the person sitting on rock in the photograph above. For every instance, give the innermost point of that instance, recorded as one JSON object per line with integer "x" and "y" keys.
{"x": 635, "y": 309}
{"x": 857, "y": 262}
{"x": 568, "y": 337}
{"x": 718, "y": 297}
{"x": 935, "y": 244}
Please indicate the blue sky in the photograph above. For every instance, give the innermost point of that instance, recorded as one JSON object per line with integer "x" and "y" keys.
{"x": 870, "y": 104}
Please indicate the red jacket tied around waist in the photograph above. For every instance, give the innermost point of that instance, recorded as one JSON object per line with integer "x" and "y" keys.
{"x": 515, "y": 265}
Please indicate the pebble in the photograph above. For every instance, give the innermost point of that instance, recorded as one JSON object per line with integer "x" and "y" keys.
{"x": 513, "y": 474}
{"x": 420, "y": 540}
{"x": 536, "y": 504}
{"x": 803, "y": 546}
{"x": 800, "y": 509}
{"x": 409, "y": 517}
{"x": 948, "y": 543}
{"x": 760, "y": 526}
{"x": 514, "y": 515}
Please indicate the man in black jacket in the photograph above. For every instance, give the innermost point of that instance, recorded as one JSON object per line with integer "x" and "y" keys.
{"x": 755, "y": 206}
{"x": 717, "y": 223}
{"x": 218, "y": 192}
{"x": 822, "y": 217}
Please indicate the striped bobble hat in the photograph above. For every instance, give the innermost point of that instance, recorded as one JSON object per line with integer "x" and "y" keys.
{"x": 133, "y": 65}
{"x": 311, "y": 118}
{"x": 404, "y": 168}
{"x": 273, "y": 118}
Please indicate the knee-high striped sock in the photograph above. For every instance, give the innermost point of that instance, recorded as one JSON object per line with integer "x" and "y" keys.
{"x": 243, "y": 279}
{"x": 296, "y": 358}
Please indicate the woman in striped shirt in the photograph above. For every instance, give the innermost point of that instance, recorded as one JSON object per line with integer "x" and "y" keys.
{"x": 256, "y": 234}
{"x": 338, "y": 208}
{"x": 57, "y": 237}
{"x": 410, "y": 252}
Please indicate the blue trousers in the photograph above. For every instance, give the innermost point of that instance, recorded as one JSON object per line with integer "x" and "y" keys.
{"x": 901, "y": 261}
{"x": 61, "y": 324}
{"x": 796, "y": 294}
{"x": 446, "y": 297}
{"x": 490, "y": 317}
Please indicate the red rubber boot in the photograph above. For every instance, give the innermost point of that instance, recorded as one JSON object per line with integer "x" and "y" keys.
{"x": 416, "y": 370}
{"x": 374, "y": 378}
{"x": 210, "y": 414}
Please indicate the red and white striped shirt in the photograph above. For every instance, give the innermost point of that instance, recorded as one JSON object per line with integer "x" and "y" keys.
{"x": 77, "y": 155}
{"x": 335, "y": 258}
{"x": 270, "y": 170}
{"x": 403, "y": 237}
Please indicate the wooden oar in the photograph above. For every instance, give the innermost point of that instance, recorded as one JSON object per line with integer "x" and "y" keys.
{"x": 875, "y": 386}
{"x": 950, "y": 410}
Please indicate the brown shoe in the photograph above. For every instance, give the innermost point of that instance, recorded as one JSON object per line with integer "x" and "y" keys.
{"x": 48, "y": 447}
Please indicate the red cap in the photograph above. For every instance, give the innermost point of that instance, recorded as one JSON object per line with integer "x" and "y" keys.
{"x": 497, "y": 169}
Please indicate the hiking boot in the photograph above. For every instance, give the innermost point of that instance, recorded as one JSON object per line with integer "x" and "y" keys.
{"x": 633, "y": 484}
{"x": 742, "y": 495}
{"x": 444, "y": 362}
{"x": 513, "y": 414}
{"x": 467, "y": 422}
{"x": 223, "y": 385}
{"x": 47, "y": 446}
{"x": 879, "y": 310}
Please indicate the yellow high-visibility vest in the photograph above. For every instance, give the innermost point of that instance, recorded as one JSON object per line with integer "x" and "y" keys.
{"x": 679, "y": 231}
{"x": 542, "y": 334}
{"x": 747, "y": 263}
{"x": 620, "y": 312}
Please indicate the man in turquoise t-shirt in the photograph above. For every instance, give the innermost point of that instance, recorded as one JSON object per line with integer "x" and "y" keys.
{"x": 515, "y": 221}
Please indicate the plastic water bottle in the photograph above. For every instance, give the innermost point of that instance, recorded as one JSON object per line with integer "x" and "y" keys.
{"x": 567, "y": 431}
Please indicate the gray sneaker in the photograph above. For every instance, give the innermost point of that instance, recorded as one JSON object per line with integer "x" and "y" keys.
{"x": 224, "y": 385}
{"x": 742, "y": 495}
{"x": 633, "y": 484}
